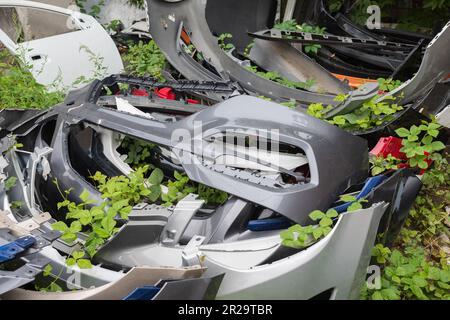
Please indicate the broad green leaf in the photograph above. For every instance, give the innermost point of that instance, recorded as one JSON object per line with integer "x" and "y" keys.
{"x": 347, "y": 198}
{"x": 101, "y": 232}
{"x": 60, "y": 226}
{"x": 402, "y": 132}
{"x": 70, "y": 261}
{"x": 316, "y": 215}
{"x": 325, "y": 222}
{"x": 155, "y": 193}
{"x": 84, "y": 264}
{"x": 69, "y": 237}
{"x": 317, "y": 233}
{"x": 390, "y": 294}
{"x": 75, "y": 227}
{"x": 419, "y": 281}
{"x": 377, "y": 296}
{"x": 156, "y": 177}
{"x": 84, "y": 196}
{"x": 77, "y": 255}
{"x": 108, "y": 224}
{"x": 331, "y": 213}
{"x": 437, "y": 146}
{"x": 354, "y": 206}
{"x": 47, "y": 270}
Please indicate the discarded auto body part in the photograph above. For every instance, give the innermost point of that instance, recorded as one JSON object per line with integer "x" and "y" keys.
{"x": 372, "y": 53}
{"x": 23, "y": 165}
{"x": 219, "y": 89}
{"x": 357, "y": 97}
{"x": 286, "y": 201}
{"x": 117, "y": 290}
{"x": 52, "y": 58}
{"x": 295, "y": 66}
{"x": 335, "y": 64}
{"x": 322, "y": 143}
{"x": 400, "y": 191}
{"x": 434, "y": 67}
{"x": 167, "y": 21}
{"x": 246, "y": 259}
{"x": 8, "y": 117}
{"x": 327, "y": 39}
{"x": 252, "y": 15}
{"x": 342, "y": 257}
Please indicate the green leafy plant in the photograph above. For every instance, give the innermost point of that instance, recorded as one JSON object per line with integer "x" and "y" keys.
{"x": 114, "y": 26}
{"x": 419, "y": 140}
{"x": 369, "y": 115}
{"x": 224, "y": 43}
{"x": 409, "y": 275}
{"x": 389, "y": 84}
{"x": 355, "y": 204}
{"x": 10, "y": 183}
{"x": 299, "y": 236}
{"x": 380, "y": 164}
{"x": 276, "y": 77}
{"x": 19, "y": 89}
{"x": 140, "y": 4}
{"x": 417, "y": 266}
{"x": 182, "y": 186}
{"x": 292, "y": 25}
{"x": 98, "y": 221}
{"x": 52, "y": 286}
{"x": 138, "y": 151}
{"x": 94, "y": 9}
{"x": 77, "y": 258}
{"x": 145, "y": 59}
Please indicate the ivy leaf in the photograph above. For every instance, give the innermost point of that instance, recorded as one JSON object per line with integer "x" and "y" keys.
{"x": 414, "y": 130}
{"x": 402, "y": 132}
{"x": 75, "y": 227}
{"x": 60, "y": 226}
{"x": 55, "y": 288}
{"x": 156, "y": 177}
{"x": 419, "y": 281}
{"x": 377, "y": 296}
{"x": 155, "y": 192}
{"x": 286, "y": 235}
{"x": 437, "y": 146}
{"x": 354, "y": 206}
{"x": 77, "y": 254}
{"x": 316, "y": 215}
{"x": 390, "y": 294}
{"x": 108, "y": 224}
{"x": 325, "y": 222}
{"x": 317, "y": 233}
{"x": 70, "y": 261}
{"x": 348, "y": 198}
{"x": 47, "y": 270}
{"x": 422, "y": 164}
{"x": 84, "y": 264}
{"x": 69, "y": 237}
{"x": 331, "y": 213}
{"x": 100, "y": 232}
{"x": 84, "y": 196}
{"x": 326, "y": 230}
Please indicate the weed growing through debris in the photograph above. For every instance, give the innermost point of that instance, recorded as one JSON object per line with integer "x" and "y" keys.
{"x": 145, "y": 59}
{"x": 292, "y": 25}
{"x": 19, "y": 89}
{"x": 276, "y": 77}
{"x": 120, "y": 193}
{"x": 418, "y": 143}
{"x": 369, "y": 115}
{"x": 418, "y": 266}
{"x": 300, "y": 237}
